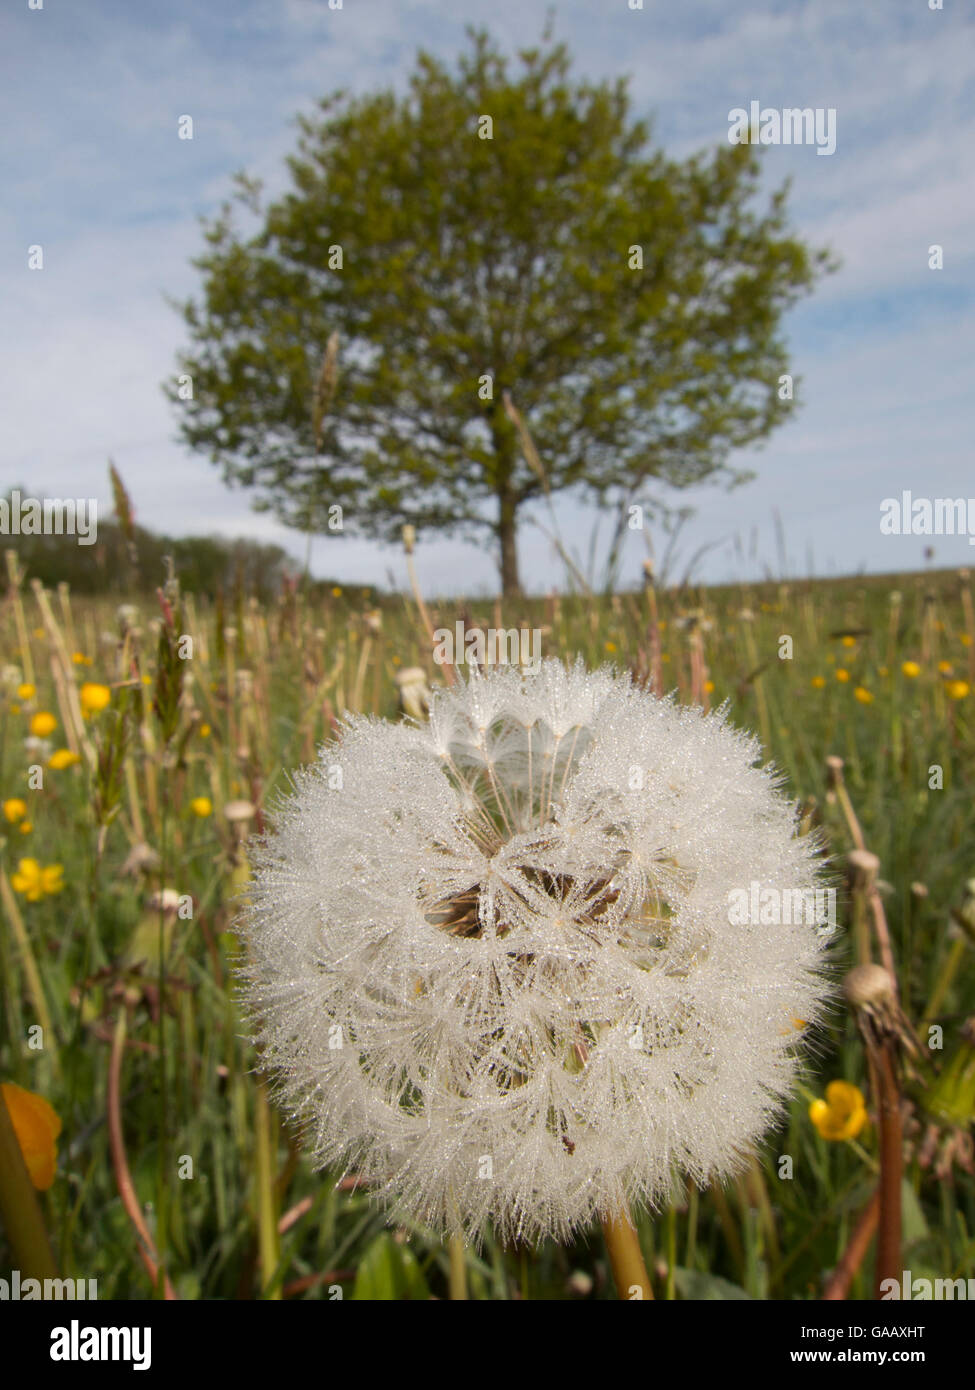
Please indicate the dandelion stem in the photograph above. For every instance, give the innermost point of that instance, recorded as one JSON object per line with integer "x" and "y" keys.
{"x": 840, "y": 1280}
{"x": 891, "y": 1163}
{"x": 945, "y": 980}
{"x": 267, "y": 1226}
{"x": 148, "y": 1253}
{"x": 626, "y": 1257}
{"x": 458, "y": 1269}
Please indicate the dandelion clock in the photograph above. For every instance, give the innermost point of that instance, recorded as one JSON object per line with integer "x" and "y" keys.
{"x": 492, "y": 967}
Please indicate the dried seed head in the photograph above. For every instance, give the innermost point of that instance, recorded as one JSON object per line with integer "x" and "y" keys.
{"x": 141, "y": 858}
{"x": 165, "y": 898}
{"x": 863, "y": 867}
{"x": 414, "y": 693}
{"x": 869, "y": 986}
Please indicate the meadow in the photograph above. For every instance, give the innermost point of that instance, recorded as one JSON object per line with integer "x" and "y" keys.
{"x": 142, "y": 742}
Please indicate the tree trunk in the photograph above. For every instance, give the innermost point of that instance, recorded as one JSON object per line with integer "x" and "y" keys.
{"x": 510, "y": 583}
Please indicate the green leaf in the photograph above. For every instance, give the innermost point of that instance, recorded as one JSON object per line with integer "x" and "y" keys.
{"x": 692, "y": 1284}
{"x": 914, "y": 1228}
{"x": 388, "y": 1272}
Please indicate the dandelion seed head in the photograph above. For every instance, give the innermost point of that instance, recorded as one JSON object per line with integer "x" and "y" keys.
{"x": 494, "y": 972}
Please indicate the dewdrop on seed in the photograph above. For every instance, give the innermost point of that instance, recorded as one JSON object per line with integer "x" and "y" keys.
{"x": 527, "y": 959}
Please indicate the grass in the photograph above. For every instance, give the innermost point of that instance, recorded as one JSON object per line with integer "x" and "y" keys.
{"x": 171, "y": 1159}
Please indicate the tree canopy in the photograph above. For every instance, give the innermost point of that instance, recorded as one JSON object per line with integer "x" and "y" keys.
{"x": 487, "y": 232}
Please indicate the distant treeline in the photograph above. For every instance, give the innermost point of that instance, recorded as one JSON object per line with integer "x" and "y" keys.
{"x": 118, "y": 564}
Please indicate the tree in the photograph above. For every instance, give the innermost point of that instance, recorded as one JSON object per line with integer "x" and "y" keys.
{"x": 483, "y": 234}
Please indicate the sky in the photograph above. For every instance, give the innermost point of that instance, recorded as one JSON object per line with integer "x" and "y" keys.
{"x": 93, "y": 171}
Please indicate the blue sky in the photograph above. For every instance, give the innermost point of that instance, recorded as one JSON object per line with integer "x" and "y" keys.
{"x": 90, "y": 95}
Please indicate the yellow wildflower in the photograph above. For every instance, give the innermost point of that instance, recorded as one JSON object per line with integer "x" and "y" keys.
{"x": 201, "y": 806}
{"x": 849, "y": 641}
{"x": 945, "y": 667}
{"x": 818, "y": 682}
{"x": 80, "y": 659}
{"x": 62, "y": 758}
{"x": 863, "y": 695}
{"x": 14, "y": 810}
{"x": 842, "y": 1114}
{"x": 611, "y": 646}
{"x": 842, "y": 674}
{"x": 43, "y": 724}
{"x": 26, "y": 691}
{"x": 957, "y": 690}
{"x": 35, "y": 880}
{"x": 911, "y": 669}
{"x": 204, "y": 731}
{"x": 93, "y": 697}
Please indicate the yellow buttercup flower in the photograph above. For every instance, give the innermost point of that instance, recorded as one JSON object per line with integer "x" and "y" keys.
{"x": 911, "y": 669}
{"x": 80, "y": 659}
{"x": 35, "y": 880}
{"x": 957, "y": 690}
{"x": 709, "y": 687}
{"x": 37, "y": 1126}
{"x": 849, "y": 641}
{"x": 26, "y": 691}
{"x": 842, "y": 674}
{"x": 945, "y": 667}
{"x": 205, "y": 731}
{"x": 842, "y": 1114}
{"x": 611, "y": 646}
{"x": 863, "y": 695}
{"x": 42, "y": 724}
{"x": 14, "y": 810}
{"x": 25, "y": 827}
{"x": 93, "y": 697}
{"x": 201, "y": 806}
{"x": 818, "y": 682}
{"x": 62, "y": 758}
{"x": 336, "y": 591}
{"x": 963, "y": 638}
